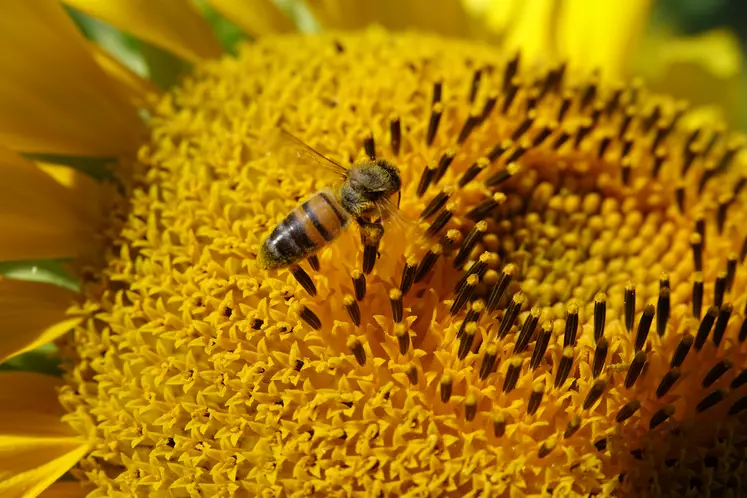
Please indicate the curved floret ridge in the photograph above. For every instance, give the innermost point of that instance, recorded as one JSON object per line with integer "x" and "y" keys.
{"x": 558, "y": 307}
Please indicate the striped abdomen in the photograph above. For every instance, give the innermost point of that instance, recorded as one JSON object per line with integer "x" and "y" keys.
{"x": 309, "y": 227}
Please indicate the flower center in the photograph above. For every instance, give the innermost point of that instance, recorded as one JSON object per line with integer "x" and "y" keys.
{"x": 558, "y": 294}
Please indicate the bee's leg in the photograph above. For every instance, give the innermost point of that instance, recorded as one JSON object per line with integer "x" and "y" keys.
{"x": 371, "y": 234}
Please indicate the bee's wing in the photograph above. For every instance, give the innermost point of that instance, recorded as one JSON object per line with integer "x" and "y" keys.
{"x": 291, "y": 148}
{"x": 393, "y": 217}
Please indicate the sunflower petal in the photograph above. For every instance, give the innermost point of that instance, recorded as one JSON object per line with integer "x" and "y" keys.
{"x": 53, "y": 96}
{"x": 64, "y": 489}
{"x": 36, "y": 447}
{"x": 174, "y": 25}
{"x": 32, "y": 314}
{"x": 134, "y": 87}
{"x": 705, "y": 70}
{"x": 600, "y": 35}
{"x": 39, "y": 217}
{"x": 255, "y": 17}
{"x": 530, "y": 31}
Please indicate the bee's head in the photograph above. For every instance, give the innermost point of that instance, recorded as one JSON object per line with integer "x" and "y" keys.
{"x": 375, "y": 180}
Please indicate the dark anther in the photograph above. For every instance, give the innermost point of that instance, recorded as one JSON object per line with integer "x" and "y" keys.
{"x": 499, "y": 424}
{"x": 540, "y": 347}
{"x": 257, "y": 324}
{"x": 724, "y": 313}
{"x": 562, "y": 138}
{"x": 696, "y": 242}
{"x": 635, "y": 369}
{"x": 662, "y": 310}
{"x": 629, "y": 307}
{"x": 731, "y": 271}
{"x": 661, "y": 416}
{"x": 426, "y": 177}
{"x": 564, "y": 367}
{"x": 403, "y": 338}
{"x": 395, "y": 130}
{"x": 437, "y": 91}
{"x": 299, "y": 366}
{"x": 667, "y": 382}
{"x": 412, "y": 374}
{"x": 719, "y": 289}
{"x": 485, "y": 207}
{"x": 470, "y": 241}
{"x": 473, "y": 171}
{"x": 435, "y": 118}
{"x": 535, "y": 398}
{"x": 527, "y": 330}
{"x": 498, "y": 150}
{"x": 716, "y": 372}
{"x": 644, "y": 325}
{"x": 304, "y": 279}
{"x": 500, "y": 288}
{"x": 466, "y": 340}
{"x": 571, "y": 325}
{"x": 313, "y": 262}
{"x": 501, "y": 176}
{"x": 488, "y": 361}
{"x": 357, "y": 349}
{"x": 227, "y": 312}
{"x": 439, "y": 222}
{"x": 705, "y": 327}
{"x": 627, "y": 411}
{"x": 465, "y": 294}
{"x": 512, "y": 68}
{"x": 512, "y": 312}
{"x": 443, "y": 164}
{"x": 711, "y": 400}
{"x": 310, "y": 318}
{"x": 395, "y": 300}
{"x": 600, "y": 356}
{"x": 564, "y": 106}
{"x": 524, "y": 126}
{"x": 697, "y": 295}
{"x": 512, "y": 375}
{"x": 573, "y": 426}
{"x": 438, "y": 201}
{"x": 595, "y": 392}
{"x": 603, "y": 146}
{"x": 359, "y": 284}
{"x": 445, "y": 388}
{"x": 369, "y": 146}
{"x": 509, "y": 95}
{"x": 600, "y": 315}
{"x": 408, "y": 275}
{"x": 680, "y": 352}
{"x": 470, "y": 408}
{"x": 351, "y": 306}
{"x": 427, "y": 262}
{"x": 469, "y": 124}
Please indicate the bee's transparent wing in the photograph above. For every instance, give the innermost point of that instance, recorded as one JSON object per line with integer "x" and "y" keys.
{"x": 392, "y": 216}
{"x": 291, "y": 149}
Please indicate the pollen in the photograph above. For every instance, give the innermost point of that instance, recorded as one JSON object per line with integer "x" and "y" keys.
{"x": 557, "y": 307}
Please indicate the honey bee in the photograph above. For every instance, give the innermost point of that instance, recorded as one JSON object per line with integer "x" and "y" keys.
{"x": 362, "y": 195}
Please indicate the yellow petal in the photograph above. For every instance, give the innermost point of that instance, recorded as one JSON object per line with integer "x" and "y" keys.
{"x": 530, "y": 32}
{"x": 36, "y": 447}
{"x": 705, "y": 70}
{"x": 53, "y": 97}
{"x": 595, "y": 34}
{"x": 39, "y": 218}
{"x": 64, "y": 489}
{"x": 174, "y": 25}
{"x": 255, "y": 17}
{"x": 85, "y": 192}
{"x": 134, "y": 87}
{"x": 32, "y": 314}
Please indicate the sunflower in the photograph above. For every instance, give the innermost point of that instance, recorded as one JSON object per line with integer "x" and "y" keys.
{"x": 556, "y": 309}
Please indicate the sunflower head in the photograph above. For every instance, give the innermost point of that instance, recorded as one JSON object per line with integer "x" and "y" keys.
{"x": 534, "y": 325}
{"x": 523, "y": 280}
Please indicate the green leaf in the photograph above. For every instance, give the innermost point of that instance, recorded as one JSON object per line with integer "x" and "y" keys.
{"x": 46, "y": 271}
{"x": 42, "y": 360}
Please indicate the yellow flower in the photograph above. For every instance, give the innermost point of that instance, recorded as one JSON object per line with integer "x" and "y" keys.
{"x": 560, "y": 311}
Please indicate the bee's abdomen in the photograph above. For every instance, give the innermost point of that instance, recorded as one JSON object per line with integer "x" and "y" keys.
{"x": 316, "y": 222}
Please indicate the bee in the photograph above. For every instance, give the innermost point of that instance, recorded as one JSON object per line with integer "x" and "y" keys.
{"x": 362, "y": 195}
